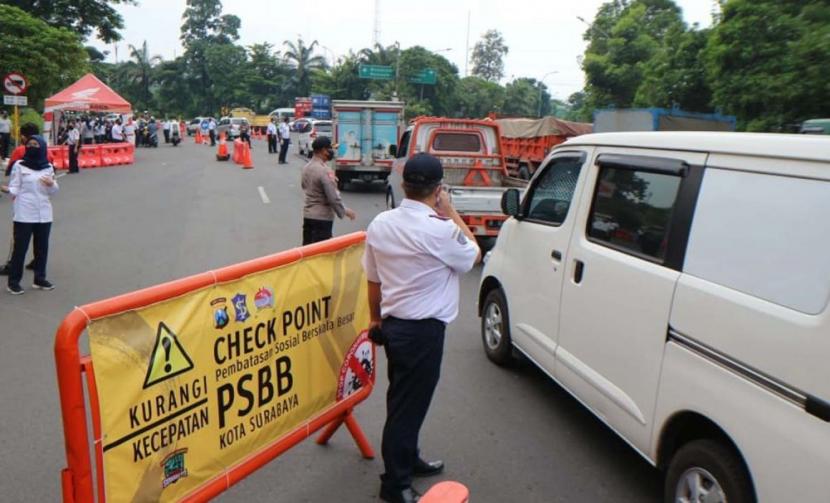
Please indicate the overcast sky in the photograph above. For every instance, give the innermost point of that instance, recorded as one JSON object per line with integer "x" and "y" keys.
{"x": 544, "y": 36}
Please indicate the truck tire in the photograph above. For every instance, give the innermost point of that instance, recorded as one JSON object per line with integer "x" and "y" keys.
{"x": 711, "y": 471}
{"x": 495, "y": 329}
{"x": 486, "y": 243}
{"x": 341, "y": 183}
{"x": 524, "y": 172}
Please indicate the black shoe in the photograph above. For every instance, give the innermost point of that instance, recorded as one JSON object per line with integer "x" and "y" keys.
{"x": 30, "y": 266}
{"x": 14, "y": 289}
{"x": 4, "y": 270}
{"x": 43, "y": 285}
{"x": 406, "y": 495}
{"x": 427, "y": 468}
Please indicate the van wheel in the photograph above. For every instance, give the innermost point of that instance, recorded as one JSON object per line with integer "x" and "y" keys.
{"x": 524, "y": 172}
{"x": 341, "y": 184}
{"x": 495, "y": 328}
{"x": 707, "y": 471}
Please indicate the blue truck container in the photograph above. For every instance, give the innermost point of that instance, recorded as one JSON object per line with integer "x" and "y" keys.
{"x": 659, "y": 119}
{"x": 321, "y": 114}
{"x": 320, "y": 101}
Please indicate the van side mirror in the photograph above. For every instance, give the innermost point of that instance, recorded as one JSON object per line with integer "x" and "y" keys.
{"x": 393, "y": 150}
{"x": 510, "y": 204}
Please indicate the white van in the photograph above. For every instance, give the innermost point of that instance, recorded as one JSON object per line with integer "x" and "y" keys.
{"x": 677, "y": 285}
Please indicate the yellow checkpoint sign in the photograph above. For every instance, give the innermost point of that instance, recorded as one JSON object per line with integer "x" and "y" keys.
{"x": 195, "y": 385}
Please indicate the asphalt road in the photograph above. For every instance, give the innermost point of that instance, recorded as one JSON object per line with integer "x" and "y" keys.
{"x": 510, "y": 435}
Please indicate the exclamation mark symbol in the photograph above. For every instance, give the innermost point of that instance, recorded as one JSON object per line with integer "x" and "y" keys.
{"x": 167, "y": 344}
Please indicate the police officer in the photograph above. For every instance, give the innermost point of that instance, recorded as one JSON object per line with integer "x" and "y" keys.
{"x": 322, "y": 199}
{"x": 414, "y": 257}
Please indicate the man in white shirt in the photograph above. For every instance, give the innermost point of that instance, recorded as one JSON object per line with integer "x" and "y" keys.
{"x": 272, "y": 137}
{"x": 117, "y": 132}
{"x": 415, "y": 255}
{"x": 165, "y": 127}
{"x": 5, "y": 134}
{"x": 285, "y": 137}
{"x": 212, "y": 132}
{"x": 73, "y": 142}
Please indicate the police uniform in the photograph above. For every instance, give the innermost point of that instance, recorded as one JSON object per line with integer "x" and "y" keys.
{"x": 321, "y": 200}
{"x": 417, "y": 256}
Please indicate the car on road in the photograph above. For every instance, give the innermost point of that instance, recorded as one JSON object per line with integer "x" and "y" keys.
{"x": 677, "y": 285}
{"x": 194, "y": 124}
{"x": 230, "y": 126}
{"x": 308, "y": 130}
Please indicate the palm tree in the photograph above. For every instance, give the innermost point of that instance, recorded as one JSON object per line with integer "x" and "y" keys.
{"x": 380, "y": 55}
{"x": 141, "y": 70}
{"x": 302, "y": 61}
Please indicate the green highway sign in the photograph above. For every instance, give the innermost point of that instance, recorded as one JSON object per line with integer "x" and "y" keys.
{"x": 426, "y": 76}
{"x": 376, "y": 72}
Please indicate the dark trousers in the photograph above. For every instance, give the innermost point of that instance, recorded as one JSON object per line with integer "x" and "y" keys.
{"x": 212, "y": 135}
{"x": 272, "y": 144}
{"x": 166, "y": 135}
{"x": 414, "y": 349}
{"x": 23, "y": 232}
{"x": 316, "y": 230}
{"x": 73, "y": 159}
{"x": 5, "y": 138}
{"x": 246, "y": 137}
{"x": 283, "y": 150}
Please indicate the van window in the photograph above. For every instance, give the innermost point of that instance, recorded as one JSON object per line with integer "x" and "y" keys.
{"x": 404, "y": 144}
{"x": 632, "y": 211}
{"x": 549, "y": 199}
{"x": 764, "y": 235}
{"x": 456, "y": 142}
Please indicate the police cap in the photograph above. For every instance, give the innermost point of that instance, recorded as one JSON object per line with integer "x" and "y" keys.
{"x": 423, "y": 170}
{"x": 320, "y": 143}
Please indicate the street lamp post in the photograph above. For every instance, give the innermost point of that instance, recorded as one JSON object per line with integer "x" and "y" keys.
{"x": 542, "y": 81}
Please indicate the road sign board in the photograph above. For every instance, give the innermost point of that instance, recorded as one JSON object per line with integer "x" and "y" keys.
{"x": 10, "y": 99}
{"x": 376, "y": 72}
{"x": 426, "y": 76}
{"x": 15, "y": 83}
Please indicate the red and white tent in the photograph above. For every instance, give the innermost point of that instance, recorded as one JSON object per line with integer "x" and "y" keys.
{"x": 88, "y": 94}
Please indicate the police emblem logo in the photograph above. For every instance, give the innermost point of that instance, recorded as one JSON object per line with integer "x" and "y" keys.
{"x": 460, "y": 237}
{"x": 264, "y": 298}
{"x": 240, "y": 307}
{"x": 220, "y": 313}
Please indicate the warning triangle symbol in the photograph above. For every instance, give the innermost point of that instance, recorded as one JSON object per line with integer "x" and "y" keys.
{"x": 168, "y": 359}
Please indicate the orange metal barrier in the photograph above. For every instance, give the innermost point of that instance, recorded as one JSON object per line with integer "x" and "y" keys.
{"x": 78, "y": 484}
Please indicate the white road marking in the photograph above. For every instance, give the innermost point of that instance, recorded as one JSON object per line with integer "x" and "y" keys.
{"x": 60, "y": 175}
{"x": 263, "y": 195}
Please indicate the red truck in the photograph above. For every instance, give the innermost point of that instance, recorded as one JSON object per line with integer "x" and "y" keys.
{"x": 526, "y": 142}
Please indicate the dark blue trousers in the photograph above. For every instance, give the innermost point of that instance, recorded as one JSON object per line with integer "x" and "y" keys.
{"x": 413, "y": 349}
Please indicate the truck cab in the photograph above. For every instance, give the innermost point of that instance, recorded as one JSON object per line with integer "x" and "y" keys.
{"x": 474, "y": 167}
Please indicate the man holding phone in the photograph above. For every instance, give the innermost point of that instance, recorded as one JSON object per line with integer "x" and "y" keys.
{"x": 415, "y": 255}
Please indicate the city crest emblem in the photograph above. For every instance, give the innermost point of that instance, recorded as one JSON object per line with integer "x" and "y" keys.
{"x": 264, "y": 298}
{"x": 240, "y": 307}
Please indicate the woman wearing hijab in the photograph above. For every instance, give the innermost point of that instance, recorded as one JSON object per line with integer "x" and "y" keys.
{"x": 32, "y": 183}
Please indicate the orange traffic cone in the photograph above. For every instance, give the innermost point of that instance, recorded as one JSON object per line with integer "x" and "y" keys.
{"x": 198, "y": 136}
{"x": 222, "y": 152}
{"x": 246, "y": 157}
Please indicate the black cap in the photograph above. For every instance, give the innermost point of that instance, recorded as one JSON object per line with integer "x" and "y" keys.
{"x": 423, "y": 170}
{"x": 320, "y": 143}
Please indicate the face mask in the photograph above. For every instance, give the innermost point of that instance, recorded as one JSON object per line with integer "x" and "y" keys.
{"x": 329, "y": 154}
{"x": 30, "y": 151}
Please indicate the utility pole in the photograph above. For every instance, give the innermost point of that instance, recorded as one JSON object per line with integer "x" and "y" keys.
{"x": 376, "y": 33}
{"x": 467, "y": 49}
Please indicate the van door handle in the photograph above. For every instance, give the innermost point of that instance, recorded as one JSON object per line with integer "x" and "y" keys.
{"x": 579, "y": 270}
{"x": 556, "y": 255}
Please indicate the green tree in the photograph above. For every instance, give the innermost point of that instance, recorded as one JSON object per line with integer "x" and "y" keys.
{"x": 50, "y": 58}
{"x": 478, "y": 97}
{"x": 521, "y": 98}
{"x": 438, "y": 99}
{"x": 341, "y": 81}
{"x": 81, "y": 16}
{"x": 266, "y": 78}
{"x": 303, "y": 62}
{"x": 767, "y": 62}
{"x": 139, "y": 71}
{"x": 488, "y": 56}
{"x": 623, "y": 38}
{"x": 172, "y": 93}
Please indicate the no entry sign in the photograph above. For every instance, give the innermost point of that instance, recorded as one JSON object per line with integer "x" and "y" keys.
{"x": 15, "y": 83}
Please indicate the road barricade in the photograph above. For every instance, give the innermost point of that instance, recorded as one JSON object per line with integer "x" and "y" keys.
{"x": 194, "y": 384}
{"x": 95, "y": 156}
